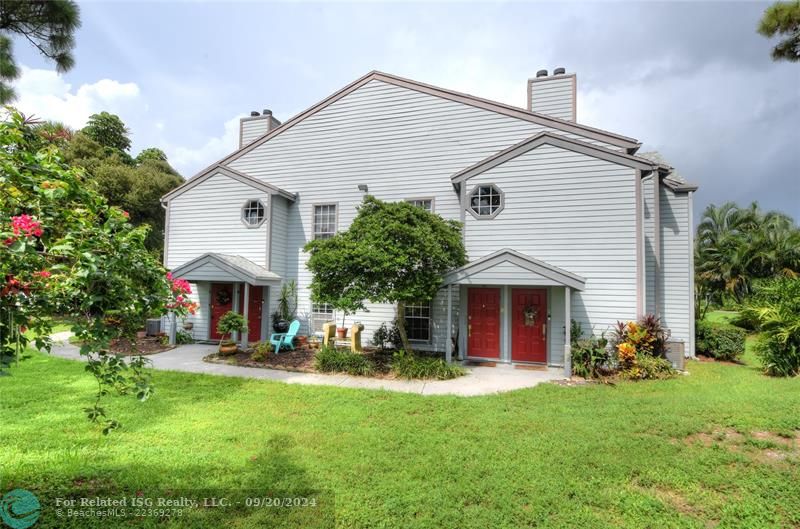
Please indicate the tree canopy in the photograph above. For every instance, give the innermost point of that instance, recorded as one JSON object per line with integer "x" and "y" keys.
{"x": 49, "y": 25}
{"x": 65, "y": 251}
{"x": 735, "y": 245}
{"x": 783, "y": 18}
{"x": 109, "y": 131}
{"x": 393, "y": 252}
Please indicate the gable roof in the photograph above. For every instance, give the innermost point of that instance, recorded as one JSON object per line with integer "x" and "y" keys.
{"x": 234, "y": 266}
{"x": 626, "y": 142}
{"x": 546, "y": 270}
{"x": 556, "y": 140}
{"x": 230, "y": 173}
{"x": 673, "y": 179}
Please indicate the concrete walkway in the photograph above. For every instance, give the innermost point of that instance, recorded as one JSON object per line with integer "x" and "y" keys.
{"x": 478, "y": 381}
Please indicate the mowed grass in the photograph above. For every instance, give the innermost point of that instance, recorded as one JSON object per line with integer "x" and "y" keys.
{"x": 592, "y": 456}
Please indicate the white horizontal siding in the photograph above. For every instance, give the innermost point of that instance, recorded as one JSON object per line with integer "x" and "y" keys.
{"x": 588, "y": 228}
{"x": 675, "y": 298}
{"x": 252, "y": 129}
{"x": 649, "y": 245}
{"x": 399, "y": 142}
{"x": 507, "y": 273}
{"x": 279, "y": 236}
{"x": 207, "y": 218}
{"x": 554, "y": 97}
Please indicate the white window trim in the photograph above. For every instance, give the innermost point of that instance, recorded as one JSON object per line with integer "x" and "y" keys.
{"x": 474, "y": 191}
{"x": 432, "y": 200}
{"x": 314, "y": 218}
{"x": 430, "y": 323}
{"x": 244, "y": 207}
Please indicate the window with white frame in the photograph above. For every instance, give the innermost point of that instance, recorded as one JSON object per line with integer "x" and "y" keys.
{"x": 253, "y": 213}
{"x": 324, "y": 221}
{"x": 424, "y": 203}
{"x": 486, "y": 201}
{"x": 418, "y": 321}
{"x": 321, "y": 313}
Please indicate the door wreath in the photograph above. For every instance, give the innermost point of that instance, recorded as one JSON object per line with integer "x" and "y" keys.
{"x": 223, "y": 296}
{"x": 529, "y": 314}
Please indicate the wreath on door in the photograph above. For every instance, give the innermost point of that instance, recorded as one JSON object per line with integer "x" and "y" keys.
{"x": 223, "y": 297}
{"x": 529, "y": 314}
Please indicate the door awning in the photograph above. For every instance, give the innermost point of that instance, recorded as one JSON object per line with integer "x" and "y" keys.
{"x": 225, "y": 268}
{"x": 509, "y": 267}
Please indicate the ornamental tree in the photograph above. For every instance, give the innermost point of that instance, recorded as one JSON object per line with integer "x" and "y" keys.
{"x": 393, "y": 252}
{"x": 65, "y": 252}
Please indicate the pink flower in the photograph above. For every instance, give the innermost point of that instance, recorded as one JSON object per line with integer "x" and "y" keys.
{"x": 26, "y": 225}
{"x": 169, "y": 276}
{"x": 179, "y": 298}
{"x": 43, "y": 273}
{"x": 9, "y": 241}
{"x": 126, "y": 214}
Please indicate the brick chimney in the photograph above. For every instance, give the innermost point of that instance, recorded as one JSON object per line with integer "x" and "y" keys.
{"x": 256, "y": 125}
{"x": 553, "y": 95}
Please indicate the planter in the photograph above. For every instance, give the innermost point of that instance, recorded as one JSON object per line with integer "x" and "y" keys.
{"x": 281, "y": 326}
{"x": 226, "y": 349}
{"x": 141, "y": 334}
{"x": 341, "y": 333}
{"x": 302, "y": 340}
{"x": 188, "y": 325}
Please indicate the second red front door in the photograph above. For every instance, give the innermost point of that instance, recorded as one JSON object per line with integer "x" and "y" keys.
{"x": 254, "y": 312}
{"x": 528, "y": 325}
{"x": 483, "y": 322}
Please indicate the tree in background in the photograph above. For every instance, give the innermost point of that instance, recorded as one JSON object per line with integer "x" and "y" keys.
{"x": 109, "y": 131}
{"x": 49, "y": 25}
{"x": 783, "y": 18}
{"x": 736, "y": 245}
{"x": 133, "y": 184}
{"x": 65, "y": 251}
{"x": 393, "y": 252}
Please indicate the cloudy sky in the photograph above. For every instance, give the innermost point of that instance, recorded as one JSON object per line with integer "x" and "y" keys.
{"x": 692, "y": 80}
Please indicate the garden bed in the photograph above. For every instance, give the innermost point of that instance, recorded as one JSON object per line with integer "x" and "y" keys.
{"x": 299, "y": 360}
{"x": 148, "y": 345}
{"x": 372, "y": 363}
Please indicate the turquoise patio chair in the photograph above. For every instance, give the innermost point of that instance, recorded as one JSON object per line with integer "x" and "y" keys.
{"x": 286, "y": 339}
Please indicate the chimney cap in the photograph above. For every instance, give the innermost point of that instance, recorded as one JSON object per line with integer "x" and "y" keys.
{"x": 559, "y": 71}
{"x": 254, "y": 113}
{"x": 266, "y": 112}
{"x": 541, "y": 73}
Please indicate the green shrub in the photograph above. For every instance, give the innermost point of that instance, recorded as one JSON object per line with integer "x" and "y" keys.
{"x": 776, "y": 311}
{"x": 386, "y": 336}
{"x": 261, "y": 351}
{"x": 409, "y": 366}
{"x": 719, "y": 340}
{"x": 331, "y": 360}
{"x": 649, "y": 367}
{"x": 183, "y": 337}
{"x": 590, "y": 357}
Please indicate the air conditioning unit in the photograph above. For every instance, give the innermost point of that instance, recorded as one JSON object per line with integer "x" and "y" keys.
{"x": 153, "y": 327}
{"x": 675, "y": 354}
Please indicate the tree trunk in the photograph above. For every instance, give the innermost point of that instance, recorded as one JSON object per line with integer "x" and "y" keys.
{"x": 401, "y": 327}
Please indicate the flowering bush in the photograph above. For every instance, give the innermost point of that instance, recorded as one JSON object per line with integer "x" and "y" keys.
{"x": 626, "y": 354}
{"x": 66, "y": 252}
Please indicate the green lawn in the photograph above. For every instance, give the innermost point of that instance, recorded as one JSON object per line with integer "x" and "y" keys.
{"x": 593, "y": 456}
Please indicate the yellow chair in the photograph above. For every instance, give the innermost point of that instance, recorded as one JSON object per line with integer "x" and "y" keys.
{"x": 328, "y": 334}
{"x": 355, "y": 337}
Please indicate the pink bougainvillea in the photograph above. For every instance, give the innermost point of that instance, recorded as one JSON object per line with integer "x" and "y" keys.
{"x": 25, "y": 225}
{"x": 180, "y": 288}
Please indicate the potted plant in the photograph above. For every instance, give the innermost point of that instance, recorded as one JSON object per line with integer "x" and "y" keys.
{"x": 302, "y": 340}
{"x": 287, "y": 307}
{"x": 229, "y": 323}
{"x": 341, "y": 332}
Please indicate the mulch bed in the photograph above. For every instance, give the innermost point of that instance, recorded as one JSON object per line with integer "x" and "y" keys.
{"x": 142, "y": 346}
{"x": 299, "y": 360}
{"x": 701, "y": 358}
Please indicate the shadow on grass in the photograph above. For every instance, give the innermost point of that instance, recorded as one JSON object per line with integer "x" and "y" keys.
{"x": 269, "y": 490}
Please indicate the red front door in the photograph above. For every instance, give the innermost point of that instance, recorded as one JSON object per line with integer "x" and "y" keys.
{"x": 529, "y": 325}
{"x": 254, "y": 310}
{"x": 483, "y": 322}
{"x": 221, "y": 302}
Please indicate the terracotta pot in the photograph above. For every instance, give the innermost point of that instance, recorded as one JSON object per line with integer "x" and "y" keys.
{"x": 226, "y": 349}
{"x": 302, "y": 340}
{"x": 141, "y": 334}
{"x": 341, "y": 333}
